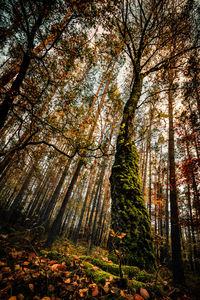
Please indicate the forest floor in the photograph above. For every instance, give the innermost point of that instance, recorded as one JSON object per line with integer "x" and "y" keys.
{"x": 29, "y": 271}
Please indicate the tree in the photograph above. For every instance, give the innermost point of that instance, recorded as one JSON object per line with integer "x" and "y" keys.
{"x": 144, "y": 29}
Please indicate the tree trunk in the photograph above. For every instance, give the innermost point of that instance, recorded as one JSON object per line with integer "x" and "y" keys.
{"x": 177, "y": 263}
{"x": 128, "y": 212}
{"x": 55, "y": 229}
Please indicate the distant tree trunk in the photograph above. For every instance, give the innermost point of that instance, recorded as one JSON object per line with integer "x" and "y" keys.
{"x": 95, "y": 218}
{"x": 167, "y": 215}
{"x": 90, "y": 184}
{"x": 177, "y": 263}
{"x": 55, "y": 229}
{"x": 150, "y": 172}
{"x": 192, "y": 234}
{"x": 18, "y": 199}
{"x": 54, "y": 197}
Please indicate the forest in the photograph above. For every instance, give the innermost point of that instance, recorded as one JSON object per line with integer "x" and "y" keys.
{"x": 99, "y": 149}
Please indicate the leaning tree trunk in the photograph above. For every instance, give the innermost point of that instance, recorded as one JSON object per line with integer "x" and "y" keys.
{"x": 128, "y": 212}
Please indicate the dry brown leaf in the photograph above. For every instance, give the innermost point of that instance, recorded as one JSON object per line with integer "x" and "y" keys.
{"x": 82, "y": 292}
{"x": 122, "y": 293}
{"x": 26, "y": 263}
{"x": 95, "y": 291}
{"x": 110, "y": 279}
{"x": 4, "y": 236}
{"x": 6, "y": 269}
{"x": 54, "y": 267}
{"x": 61, "y": 267}
{"x": 36, "y": 297}
{"x": 31, "y": 287}
{"x": 68, "y": 280}
{"x": 51, "y": 288}
{"x": 2, "y": 263}
{"x": 13, "y": 298}
{"x": 129, "y": 297}
{"x": 20, "y": 297}
{"x": 106, "y": 288}
{"x": 67, "y": 273}
{"x": 51, "y": 262}
{"x": 144, "y": 293}
{"x": 95, "y": 268}
{"x": 31, "y": 255}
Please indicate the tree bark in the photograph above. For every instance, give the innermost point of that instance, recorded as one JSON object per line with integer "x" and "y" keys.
{"x": 128, "y": 212}
{"x": 177, "y": 263}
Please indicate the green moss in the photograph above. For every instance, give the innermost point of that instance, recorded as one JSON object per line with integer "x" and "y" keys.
{"x": 130, "y": 271}
{"x": 128, "y": 212}
{"x": 50, "y": 254}
{"x": 98, "y": 276}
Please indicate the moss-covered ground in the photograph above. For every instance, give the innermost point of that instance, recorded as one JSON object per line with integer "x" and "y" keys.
{"x": 29, "y": 271}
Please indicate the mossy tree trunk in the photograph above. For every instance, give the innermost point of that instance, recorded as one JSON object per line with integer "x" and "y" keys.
{"x": 128, "y": 212}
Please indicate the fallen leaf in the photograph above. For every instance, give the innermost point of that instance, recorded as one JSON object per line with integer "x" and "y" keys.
{"x": 2, "y": 263}
{"x": 106, "y": 288}
{"x": 95, "y": 291}
{"x": 6, "y": 270}
{"x": 129, "y": 297}
{"x": 31, "y": 287}
{"x": 54, "y": 267}
{"x": 13, "y": 298}
{"x": 82, "y": 292}
{"x": 67, "y": 280}
{"x": 20, "y": 297}
{"x": 51, "y": 288}
{"x": 51, "y": 262}
{"x": 76, "y": 257}
{"x": 61, "y": 267}
{"x": 46, "y": 298}
{"x": 95, "y": 268}
{"x": 110, "y": 279}
{"x": 31, "y": 255}
{"x": 122, "y": 293}
{"x": 114, "y": 290}
{"x": 17, "y": 267}
{"x": 4, "y": 236}
{"x": 144, "y": 293}
{"x": 26, "y": 263}
{"x": 138, "y": 297}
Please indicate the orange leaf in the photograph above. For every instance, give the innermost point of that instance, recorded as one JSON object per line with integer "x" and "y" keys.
{"x": 82, "y": 292}
{"x": 95, "y": 291}
{"x": 106, "y": 288}
{"x": 138, "y": 297}
{"x": 53, "y": 262}
{"x": 122, "y": 293}
{"x": 61, "y": 267}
